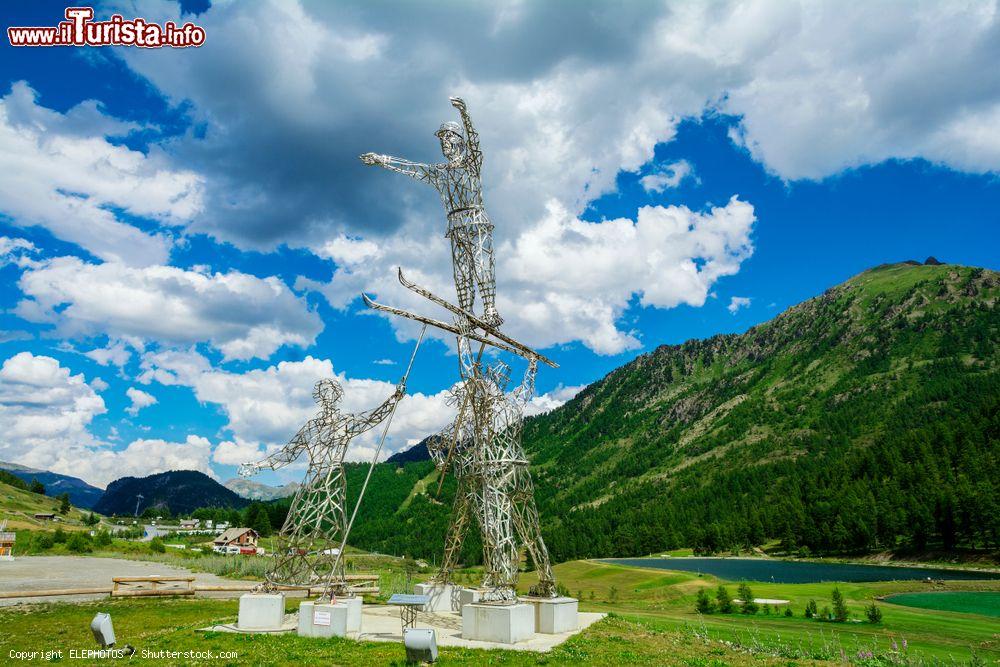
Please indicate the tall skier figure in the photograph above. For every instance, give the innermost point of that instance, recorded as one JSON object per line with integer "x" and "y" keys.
{"x": 459, "y": 183}
{"x": 306, "y": 550}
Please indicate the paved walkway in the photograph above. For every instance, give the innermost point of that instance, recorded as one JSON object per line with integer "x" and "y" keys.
{"x": 33, "y": 573}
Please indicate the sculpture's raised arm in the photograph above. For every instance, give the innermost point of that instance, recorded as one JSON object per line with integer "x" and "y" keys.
{"x": 471, "y": 136}
{"x": 362, "y": 421}
{"x": 282, "y": 457}
{"x": 526, "y": 390}
{"x": 426, "y": 173}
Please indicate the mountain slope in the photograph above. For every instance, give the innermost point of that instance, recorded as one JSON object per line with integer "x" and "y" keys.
{"x": 181, "y": 491}
{"x": 864, "y": 418}
{"x": 80, "y": 493}
{"x": 251, "y": 490}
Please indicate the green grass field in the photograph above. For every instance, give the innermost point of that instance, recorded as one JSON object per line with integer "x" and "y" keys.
{"x": 984, "y": 603}
{"x": 651, "y": 621}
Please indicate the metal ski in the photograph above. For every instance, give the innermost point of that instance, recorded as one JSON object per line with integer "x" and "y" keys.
{"x": 474, "y": 319}
{"x": 430, "y": 321}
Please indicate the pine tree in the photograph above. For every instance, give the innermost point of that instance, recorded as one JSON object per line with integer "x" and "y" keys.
{"x": 840, "y": 612}
{"x": 37, "y": 487}
{"x": 723, "y": 601}
{"x": 746, "y": 595}
{"x": 64, "y": 504}
{"x": 703, "y": 604}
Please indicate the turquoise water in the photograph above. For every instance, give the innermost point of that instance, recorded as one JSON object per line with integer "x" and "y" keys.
{"x": 796, "y": 572}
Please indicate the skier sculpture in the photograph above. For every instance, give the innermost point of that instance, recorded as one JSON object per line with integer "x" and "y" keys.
{"x": 307, "y": 548}
{"x": 494, "y": 485}
{"x": 459, "y": 183}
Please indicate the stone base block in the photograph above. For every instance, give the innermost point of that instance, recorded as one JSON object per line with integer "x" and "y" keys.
{"x": 468, "y": 596}
{"x": 261, "y": 611}
{"x": 323, "y": 620}
{"x": 505, "y": 624}
{"x": 440, "y": 596}
{"x": 354, "y": 606}
{"x": 554, "y": 615}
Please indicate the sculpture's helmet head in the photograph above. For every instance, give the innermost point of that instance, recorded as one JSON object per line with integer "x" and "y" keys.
{"x": 328, "y": 393}
{"x": 499, "y": 375}
{"x": 452, "y": 140}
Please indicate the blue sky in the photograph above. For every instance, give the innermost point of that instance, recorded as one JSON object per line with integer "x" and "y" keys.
{"x": 183, "y": 234}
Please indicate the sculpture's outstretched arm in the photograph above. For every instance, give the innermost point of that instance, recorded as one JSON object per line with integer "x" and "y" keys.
{"x": 283, "y": 456}
{"x": 471, "y": 136}
{"x": 362, "y": 421}
{"x": 526, "y": 390}
{"x": 426, "y": 173}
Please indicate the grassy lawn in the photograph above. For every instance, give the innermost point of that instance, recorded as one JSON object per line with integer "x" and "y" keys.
{"x": 665, "y": 600}
{"x": 984, "y": 603}
{"x": 172, "y": 625}
{"x": 652, "y": 621}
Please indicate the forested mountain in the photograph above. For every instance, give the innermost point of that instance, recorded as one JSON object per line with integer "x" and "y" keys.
{"x": 80, "y": 493}
{"x": 180, "y": 491}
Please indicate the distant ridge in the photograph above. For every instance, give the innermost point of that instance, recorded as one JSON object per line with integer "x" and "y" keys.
{"x": 181, "y": 491}
{"x": 80, "y": 493}
{"x": 247, "y": 488}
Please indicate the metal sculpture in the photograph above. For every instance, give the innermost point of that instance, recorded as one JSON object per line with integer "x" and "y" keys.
{"x": 483, "y": 445}
{"x": 307, "y": 549}
{"x": 459, "y": 183}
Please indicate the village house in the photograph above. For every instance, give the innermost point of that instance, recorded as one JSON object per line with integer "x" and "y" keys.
{"x": 236, "y": 540}
{"x": 190, "y": 524}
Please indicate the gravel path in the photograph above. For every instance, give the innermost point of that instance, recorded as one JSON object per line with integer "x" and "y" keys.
{"x": 32, "y": 573}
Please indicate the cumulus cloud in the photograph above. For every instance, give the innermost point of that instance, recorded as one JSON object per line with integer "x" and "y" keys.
{"x": 551, "y": 400}
{"x": 45, "y": 412}
{"x": 667, "y": 176}
{"x": 140, "y": 400}
{"x": 62, "y": 173}
{"x": 266, "y": 407}
{"x": 115, "y": 352}
{"x": 99, "y": 385}
{"x": 737, "y": 302}
{"x": 241, "y": 315}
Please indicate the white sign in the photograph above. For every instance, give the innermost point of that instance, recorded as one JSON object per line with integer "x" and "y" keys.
{"x": 321, "y": 618}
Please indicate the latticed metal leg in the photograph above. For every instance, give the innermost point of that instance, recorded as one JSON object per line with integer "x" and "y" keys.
{"x": 408, "y": 616}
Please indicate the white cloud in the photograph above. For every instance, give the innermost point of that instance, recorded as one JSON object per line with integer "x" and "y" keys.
{"x": 116, "y": 352}
{"x": 241, "y": 315}
{"x": 668, "y": 176}
{"x": 384, "y": 362}
{"x": 551, "y": 400}
{"x": 140, "y": 400}
{"x": 14, "y": 250}
{"x": 737, "y": 302}
{"x": 45, "y": 412}
{"x": 266, "y": 407}
{"x": 99, "y": 385}
{"x": 61, "y": 173}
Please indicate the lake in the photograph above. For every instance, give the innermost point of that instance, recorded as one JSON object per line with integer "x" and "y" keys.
{"x": 796, "y": 572}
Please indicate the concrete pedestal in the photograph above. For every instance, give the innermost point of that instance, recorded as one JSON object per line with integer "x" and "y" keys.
{"x": 261, "y": 611}
{"x": 323, "y": 620}
{"x": 506, "y": 624}
{"x": 554, "y": 615}
{"x": 440, "y": 596}
{"x": 354, "y": 606}
{"x": 468, "y": 596}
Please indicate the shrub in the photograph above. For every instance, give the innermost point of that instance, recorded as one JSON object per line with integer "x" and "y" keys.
{"x": 825, "y": 615}
{"x": 59, "y": 535}
{"x": 810, "y": 611}
{"x": 78, "y": 543}
{"x": 613, "y": 593}
{"x": 703, "y": 604}
{"x": 788, "y": 611}
{"x": 746, "y": 595}
{"x": 156, "y": 544}
{"x": 840, "y": 612}
{"x": 873, "y": 613}
{"x": 102, "y": 538}
{"x": 723, "y": 601}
